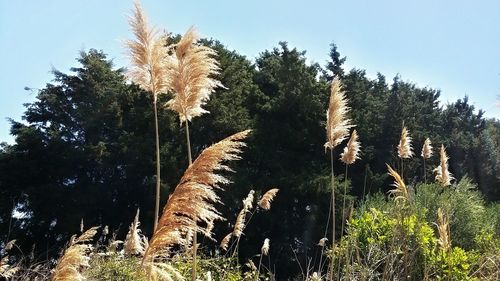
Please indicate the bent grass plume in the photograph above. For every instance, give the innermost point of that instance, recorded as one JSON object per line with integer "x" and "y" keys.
{"x": 190, "y": 67}
{"x": 400, "y": 192}
{"x": 147, "y": 55}
{"x": 194, "y": 197}
{"x": 75, "y": 257}
{"x": 267, "y": 198}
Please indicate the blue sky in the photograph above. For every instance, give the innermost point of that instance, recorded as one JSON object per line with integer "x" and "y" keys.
{"x": 449, "y": 45}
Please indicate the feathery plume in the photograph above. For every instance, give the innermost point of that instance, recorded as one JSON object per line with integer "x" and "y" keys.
{"x": 147, "y": 55}
{"x": 9, "y": 245}
{"x": 443, "y": 176}
{"x": 194, "y": 197}
{"x": 337, "y": 124}
{"x": 443, "y": 230}
{"x": 82, "y": 227}
{"x": 163, "y": 271}
{"x": 322, "y": 241}
{"x": 404, "y": 146}
{"x": 7, "y": 271}
{"x": 267, "y": 198}
{"x": 225, "y": 242}
{"x": 265, "y": 247}
{"x": 248, "y": 201}
{"x": 427, "y": 149}
{"x": 251, "y": 265}
{"x": 133, "y": 244}
{"x": 105, "y": 231}
{"x": 74, "y": 258}
{"x": 190, "y": 67}
{"x": 239, "y": 225}
{"x": 351, "y": 151}
{"x": 400, "y": 191}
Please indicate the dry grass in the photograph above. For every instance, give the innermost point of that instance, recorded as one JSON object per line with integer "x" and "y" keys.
{"x": 135, "y": 242}
{"x": 267, "y": 198}
{"x": 190, "y": 67}
{"x": 427, "y": 149}
{"x": 337, "y": 123}
{"x": 265, "y": 247}
{"x": 194, "y": 197}
{"x": 6, "y": 270}
{"x": 239, "y": 225}
{"x": 74, "y": 258}
{"x": 147, "y": 55}
{"x": 352, "y": 149}
{"x": 443, "y": 230}
{"x": 405, "y": 149}
{"x": 443, "y": 176}
{"x": 400, "y": 192}
{"x": 224, "y": 244}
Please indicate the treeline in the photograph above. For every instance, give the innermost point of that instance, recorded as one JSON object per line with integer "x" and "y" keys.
{"x": 84, "y": 150}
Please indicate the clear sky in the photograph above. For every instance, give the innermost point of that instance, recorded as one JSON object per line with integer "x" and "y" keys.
{"x": 451, "y": 45}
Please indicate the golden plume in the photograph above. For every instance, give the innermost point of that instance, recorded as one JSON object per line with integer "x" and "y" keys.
{"x": 239, "y": 225}
{"x": 427, "y": 149}
{"x": 267, "y": 198}
{"x": 75, "y": 257}
{"x": 404, "y": 146}
{"x": 190, "y": 67}
{"x": 351, "y": 151}
{"x": 194, "y": 197}
{"x": 147, "y": 55}
{"x": 322, "y": 241}
{"x": 134, "y": 241}
{"x": 443, "y": 176}
{"x": 265, "y": 247}
{"x": 337, "y": 124}
{"x": 248, "y": 201}
{"x": 7, "y": 271}
{"x": 225, "y": 242}
{"x": 443, "y": 230}
{"x": 400, "y": 191}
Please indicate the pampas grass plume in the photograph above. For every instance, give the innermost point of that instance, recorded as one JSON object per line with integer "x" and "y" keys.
{"x": 427, "y": 149}
{"x": 147, "y": 55}
{"x": 265, "y": 247}
{"x": 443, "y": 176}
{"x": 404, "y": 146}
{"x": 337, "y": 124}
{"x": 194, "y": 197}
{"x": 400, "y": 191}
{"x": 191, "y": 67}
{"x": 352, "y": 149}
{"x": 267, "y": 198}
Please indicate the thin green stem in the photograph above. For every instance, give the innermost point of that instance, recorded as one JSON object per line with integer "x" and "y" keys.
{"x": 157, "y": 201}
{"x": 195, "y": 238}
{"x": 425, "y": 174}
{"x": 258, "y": 269}
{"x": 343, "y": 211}
{"x": 364, "y": 190}
{"x": 333, "y": 215}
